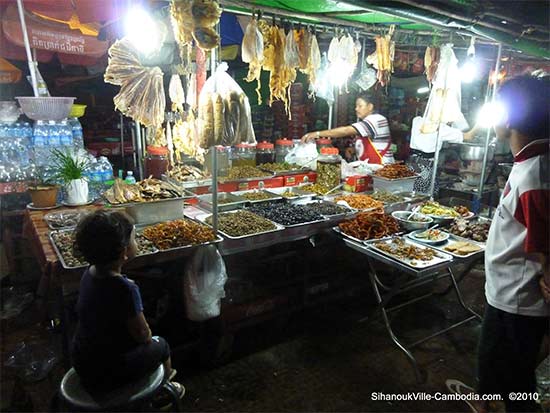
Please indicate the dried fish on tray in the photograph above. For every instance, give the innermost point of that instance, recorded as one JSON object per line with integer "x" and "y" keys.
{"x": 146, "y": 190}
{"x": 63, "y": 242}
{"x": 242, "y": 224}
{"x": 186, "y": 173}
{"x": 179, "y": 233}
{"x": 408, "y": 252}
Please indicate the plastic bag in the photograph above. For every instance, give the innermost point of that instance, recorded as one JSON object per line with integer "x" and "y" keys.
{"x": 367, "y": 78}
{"x": 323, "y": 87}
{"x": 14, "y": 302}
{"x": 358, "y": 168}
{"x": 303, "y": 154}
{"x": 32, "y": 361}
{"x": 203, "y": 284}
{"x": 224, "y": 112}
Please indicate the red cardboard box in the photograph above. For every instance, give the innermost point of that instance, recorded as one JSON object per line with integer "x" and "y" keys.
{"x": 358, "y": 183}
{"x": 293, "y": 180}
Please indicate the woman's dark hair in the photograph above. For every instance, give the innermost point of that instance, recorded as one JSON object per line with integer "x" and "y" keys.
{"x": 102, "y": 236}
{"x": 367, "y": 97}
{"x": 525, "y": 99}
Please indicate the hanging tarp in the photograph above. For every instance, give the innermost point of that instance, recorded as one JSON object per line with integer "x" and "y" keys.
{"x": 8, "y": 72}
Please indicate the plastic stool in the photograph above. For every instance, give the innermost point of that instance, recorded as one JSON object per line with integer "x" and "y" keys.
{"x": 127, "y": 398}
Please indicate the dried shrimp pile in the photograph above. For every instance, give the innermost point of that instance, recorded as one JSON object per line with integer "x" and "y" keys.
{"x": 395, "y": 171}
{"x": 178, "y": 233}
{"x": 360, "y": 201}
{"x": 368, "y": 225}
{"x": 141, "y": 95}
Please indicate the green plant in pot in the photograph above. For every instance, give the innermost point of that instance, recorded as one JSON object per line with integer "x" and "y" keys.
{"x": 43, "y": 191}
{"x": 69, "y": 169}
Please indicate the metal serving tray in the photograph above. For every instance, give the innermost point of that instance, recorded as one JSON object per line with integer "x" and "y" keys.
{"x": 300, "y": 224}
{"x": 68, "y": 212}
{"x": 272, "y": 196}
{"x": 278, "y": 227}
{"x": 348, "y": 213}
{"x": 295, "y": 190}
{"x": 225, "y": 179}
{"x": 288, "y": 172}
{"x": 235, "y": 202}
{"x": 452, "y": 239}
{"x": 140, "y": 228}
{"x": 156, "y": 211}
{"x": 343, "y": 234}
{"x": 187, "y": 184}
{"x": 440, "y": 258}
{"x": 51, "y": 236}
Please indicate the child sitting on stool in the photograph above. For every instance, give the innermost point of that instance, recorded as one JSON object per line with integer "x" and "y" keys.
{"x": 113, "y": 344}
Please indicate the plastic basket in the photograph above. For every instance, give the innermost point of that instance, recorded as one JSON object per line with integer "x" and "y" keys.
{"x": 46, "y": 108}
{"x": 77, "y": 111}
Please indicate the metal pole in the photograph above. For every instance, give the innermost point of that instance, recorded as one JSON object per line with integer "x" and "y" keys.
{"x": 139, "y": 149}
{"x": 489, "y": 131}
{"x": 122, "y": 140}
{"x": 30, "y": 61}
{"x": 214, "y": 154}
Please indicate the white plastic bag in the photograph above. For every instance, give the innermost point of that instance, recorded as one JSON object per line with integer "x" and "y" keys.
{"x": 203, "y": 284}
{"x": 367, "y": 78}
{"x": 324, "y": 86}
{"x": 303, "y": 154}
{"x": 224, "y": 112}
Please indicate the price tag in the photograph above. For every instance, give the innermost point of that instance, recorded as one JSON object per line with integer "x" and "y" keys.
{"x": 243, "y": 186}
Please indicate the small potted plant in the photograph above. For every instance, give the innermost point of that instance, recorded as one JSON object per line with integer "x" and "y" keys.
{"x": 43, "y": 192}
{"x": 69, "y": 169}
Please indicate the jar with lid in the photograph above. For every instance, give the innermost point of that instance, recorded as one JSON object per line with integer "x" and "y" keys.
{"x": 265, "y": 153}
{"x": 282, "y": 149}
{"x": 222, "y": 158}
{"x": 244, "y": 155}
{"x": 323, "y": 143}
{"x": 329, "y": 172}
{"x": 156, "y": 161}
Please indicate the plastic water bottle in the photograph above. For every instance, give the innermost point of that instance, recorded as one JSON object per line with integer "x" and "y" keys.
{"x": 40, "y": 142}
{"x": 130, "y": 179}
{"x": 106, "y": 170}
{"x": 66, "y": 136}
{"x": 78, "y": 136}
{"x": 54, "y": 139}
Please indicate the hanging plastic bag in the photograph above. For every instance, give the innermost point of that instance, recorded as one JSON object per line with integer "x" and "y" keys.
{"x": 203, "y": 284}
{"x": 32, "y": 361}
{"x": 303, "y": 154}
{"x": 367, "y": 78}
{"x": 224, "y": 112}
{"x": 324, "y": 88}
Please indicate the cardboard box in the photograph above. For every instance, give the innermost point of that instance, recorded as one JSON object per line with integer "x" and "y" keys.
{"x": 293, "y": 180}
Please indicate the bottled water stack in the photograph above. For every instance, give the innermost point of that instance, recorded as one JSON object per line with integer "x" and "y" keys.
{"x": 16, "y": 163}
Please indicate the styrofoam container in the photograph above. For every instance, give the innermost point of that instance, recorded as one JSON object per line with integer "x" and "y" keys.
{"x": 393, "y": 185}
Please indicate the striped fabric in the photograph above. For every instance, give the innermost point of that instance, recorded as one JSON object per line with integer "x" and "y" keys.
{"x": 374, "y": 126}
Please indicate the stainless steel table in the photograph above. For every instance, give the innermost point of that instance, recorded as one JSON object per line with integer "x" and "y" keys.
{"x": 410, "y": 279}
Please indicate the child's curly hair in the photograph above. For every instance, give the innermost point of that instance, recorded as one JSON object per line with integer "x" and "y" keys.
{"x": 102, "y": 236}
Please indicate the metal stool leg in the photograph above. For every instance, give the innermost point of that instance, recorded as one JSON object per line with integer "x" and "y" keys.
{"x": 420, "y": 375}
{"x": 459, "y": 296}
{"x": 176, "y": 401}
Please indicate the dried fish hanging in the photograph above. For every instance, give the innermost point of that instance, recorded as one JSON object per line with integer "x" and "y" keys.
{"x": 185, "y": 138}
{"x": 431, "y": 61}
{"x": 313, "y": 63}
{"x": 382, "y": 58}
{"x": 195, "y": 19}
{"x": 141, "y": 95}
{"x": 253, "y": 54}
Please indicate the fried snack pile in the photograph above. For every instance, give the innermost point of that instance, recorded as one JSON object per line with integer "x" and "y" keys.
{"x": 368, "y": 225}
{"x": 141, "y": 95}
{"x": 143, "y": 191}
{"x": 400, "y": 249}
{"x": 360, "y": 201}
{"x": 178, "y": 233}
{"x": 395, "y": 171}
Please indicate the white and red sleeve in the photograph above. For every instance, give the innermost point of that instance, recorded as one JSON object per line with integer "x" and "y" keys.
{"x": 532, "y": 211}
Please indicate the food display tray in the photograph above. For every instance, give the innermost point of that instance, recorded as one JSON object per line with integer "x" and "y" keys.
{"x": 343, "y": 234}
{"x": 69, "y": 267}
{"x": 190, "y": 247}
{"x": 50, "y": 216}
{"x": 236, "y": 202}
{"x": 302, "y": 224}
{"x": 156, "y": 211}
{"x": 273, "y": 196}
{"x": 454, "y": 238}
{"x": 298, "y": 192}
{"x": 202, "y": 218}
{"x": 188, "y": 184}
{"x": 288, "y": 172}
{"x": 350, "y": 211}
{"x": 440, "y": 258}
{"x": 225, "y": 180}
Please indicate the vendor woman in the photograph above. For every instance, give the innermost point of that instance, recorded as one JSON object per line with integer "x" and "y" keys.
{"x": 423, "y": 147}
{"x": 372, "y": 132}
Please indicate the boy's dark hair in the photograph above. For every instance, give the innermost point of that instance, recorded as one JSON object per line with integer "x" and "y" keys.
{"x": 102, "y": 236}
{"x": 525, "y": 99}
{"x": 367, "y": 97}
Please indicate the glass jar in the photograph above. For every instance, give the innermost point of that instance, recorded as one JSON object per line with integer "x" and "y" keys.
{"x": 222, "y": 155}
{"x": 244, "y": 155}
{"x": 156, "y": 161}
{"x": 282, "y": 149}
{"x": 329, "y": 170}
{"x": 265, "y": 153}
{"x": 323, "y": 143}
